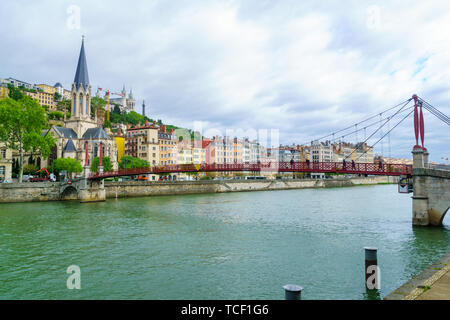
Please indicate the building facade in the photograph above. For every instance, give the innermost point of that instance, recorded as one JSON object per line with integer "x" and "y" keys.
{"x": 141, "y": 141}
{"x": 5, "y": 163}
{"x": 43, "y": 98}
{"x": 168, "y": 151}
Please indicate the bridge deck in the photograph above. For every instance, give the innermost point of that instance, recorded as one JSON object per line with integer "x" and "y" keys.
{"x": 315, "y": 167}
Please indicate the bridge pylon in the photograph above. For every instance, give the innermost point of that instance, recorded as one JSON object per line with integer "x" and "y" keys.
{"x": 431, "y": 197}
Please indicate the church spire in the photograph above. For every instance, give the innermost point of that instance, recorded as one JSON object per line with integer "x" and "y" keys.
{"x": 81, "y": 76}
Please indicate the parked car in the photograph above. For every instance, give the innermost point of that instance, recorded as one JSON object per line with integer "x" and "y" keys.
{"x": 26, "y": 177}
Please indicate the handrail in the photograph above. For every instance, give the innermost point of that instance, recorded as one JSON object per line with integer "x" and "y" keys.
{"x": 315, "y": 167}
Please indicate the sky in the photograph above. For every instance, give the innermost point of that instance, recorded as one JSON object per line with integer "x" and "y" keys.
{"x": 302, "y": 68}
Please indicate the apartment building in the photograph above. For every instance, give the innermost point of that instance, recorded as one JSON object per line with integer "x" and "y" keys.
{"x": 184, "y": 149}
{"x": 321, "y": 151}
{"x": 168, "y": 153}
{"x": 142, "y": 141}
{"x": 360, "y": 152}
{"x": 43, "y": 98}
{"x": 238, "y": 151}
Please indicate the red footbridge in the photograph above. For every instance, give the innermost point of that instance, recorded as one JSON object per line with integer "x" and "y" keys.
{"x": 344, "y": 167}
{"x": 316, "y": 167}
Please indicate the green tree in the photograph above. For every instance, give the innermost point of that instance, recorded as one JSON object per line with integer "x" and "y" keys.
{"x": 56, "y": 115}
{"x": 107, "y": 124}
{"x": 129, "y": 162}
{"x": 30, "y": 168}
{"x": 106, "y": 162}
{"x": 15, "y": 93}
{"x": 65, "y": 105}
{"x": 68, "y": 164}
{"x": 21, "y": 125}
{"x": 57, "y": 96}
{"x": 116, "y": 109}
{"x": 97, "y": 104}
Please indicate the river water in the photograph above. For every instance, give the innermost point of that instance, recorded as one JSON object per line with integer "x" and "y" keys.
{"x": 215, "y": 246}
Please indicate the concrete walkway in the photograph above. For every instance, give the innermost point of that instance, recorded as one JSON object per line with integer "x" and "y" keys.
{"x": 432, "y": 284}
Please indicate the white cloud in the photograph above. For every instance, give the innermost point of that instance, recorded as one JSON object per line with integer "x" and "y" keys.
{"x": 305, "y": 68}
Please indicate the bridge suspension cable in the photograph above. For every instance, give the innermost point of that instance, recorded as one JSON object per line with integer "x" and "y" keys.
{"x": 377, "y": 122}
{"x": 438, "y": 114}
{"x": 387, "y": 133}
{"x": 380, "y": 127}
{"x": 365, "y": 120}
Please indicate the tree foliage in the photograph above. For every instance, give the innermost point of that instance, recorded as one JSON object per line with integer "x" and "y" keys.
{"x": 21, "y": 125}
{"x": 97, "y": 104}
{"x": 131, "y": 117}
{"x": 106, "y": 162}
{"x": 65, "y": 105}
{"x": 30, "y": 169}
{"x": 57, "y": 96}
{"x": 15, "y": 93}
{"x": 68, "y": 164}
{"x": 56, "y": 115}
{"x": 129, "y": 162}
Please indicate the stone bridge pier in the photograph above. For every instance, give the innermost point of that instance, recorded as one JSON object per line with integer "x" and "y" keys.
{"x": 84, "y": 189}
{"x": 431, "y": 197}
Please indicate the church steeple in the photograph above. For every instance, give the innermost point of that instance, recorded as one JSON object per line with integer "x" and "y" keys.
{"x": 81, "y": 90}
{"x": 81, "y": 76}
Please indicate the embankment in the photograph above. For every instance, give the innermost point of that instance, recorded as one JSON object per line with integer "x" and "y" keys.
{"x": 48, "y": 191}
{"x": 142, "y": 188}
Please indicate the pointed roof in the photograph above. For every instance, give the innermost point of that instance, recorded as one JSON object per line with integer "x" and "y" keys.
{"x": 95, "y": 133}
{"x": 70, "y": 147}
{"x": 81, "y": 76}
{"x": 65, "y": 132}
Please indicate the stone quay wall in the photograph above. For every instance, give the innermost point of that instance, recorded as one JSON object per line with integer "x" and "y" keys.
{"x": 148, "y": 188}
{"x": 53, "y": 191}
{"x": 29, "y": 192}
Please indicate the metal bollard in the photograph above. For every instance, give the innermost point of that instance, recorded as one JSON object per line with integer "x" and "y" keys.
{"x": 292, "y": 292}
{"x": 371, "y": 260}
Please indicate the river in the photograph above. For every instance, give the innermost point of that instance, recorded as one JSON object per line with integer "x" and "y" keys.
{"x": 243, "y": 245}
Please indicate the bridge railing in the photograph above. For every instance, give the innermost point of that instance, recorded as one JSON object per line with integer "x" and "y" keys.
{"x": 319, "y": 167}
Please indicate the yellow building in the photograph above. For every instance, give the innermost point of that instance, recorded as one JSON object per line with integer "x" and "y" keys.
{"x": 120, "y": 143}
{"x": 4, "y": 91}
{"x": 238, "y": 147}
{"x": 168, "y": 151}
{"x": 46, "y": 88}
{"x": 43, "y": 98}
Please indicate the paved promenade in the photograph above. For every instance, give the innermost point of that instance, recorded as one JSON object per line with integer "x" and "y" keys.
{"x": 432, "y": 284}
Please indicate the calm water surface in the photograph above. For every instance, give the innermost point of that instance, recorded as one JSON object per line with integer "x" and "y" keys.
{"x": 215, "y": 246}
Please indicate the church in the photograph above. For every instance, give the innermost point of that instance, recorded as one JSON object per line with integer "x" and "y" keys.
{"x": 82, "y": 126}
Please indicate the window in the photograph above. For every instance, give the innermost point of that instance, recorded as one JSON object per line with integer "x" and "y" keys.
{"x": 2, "y": 170}
{"x": 3, "y": 154}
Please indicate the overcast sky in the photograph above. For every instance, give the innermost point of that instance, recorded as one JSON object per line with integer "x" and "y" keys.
{"x": 304, "y": 68}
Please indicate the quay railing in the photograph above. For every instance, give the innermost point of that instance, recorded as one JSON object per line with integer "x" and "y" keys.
{"x": 312, "y": 167}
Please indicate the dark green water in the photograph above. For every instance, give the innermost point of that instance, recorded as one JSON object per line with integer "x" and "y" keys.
{"x": 215, "y": 246}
